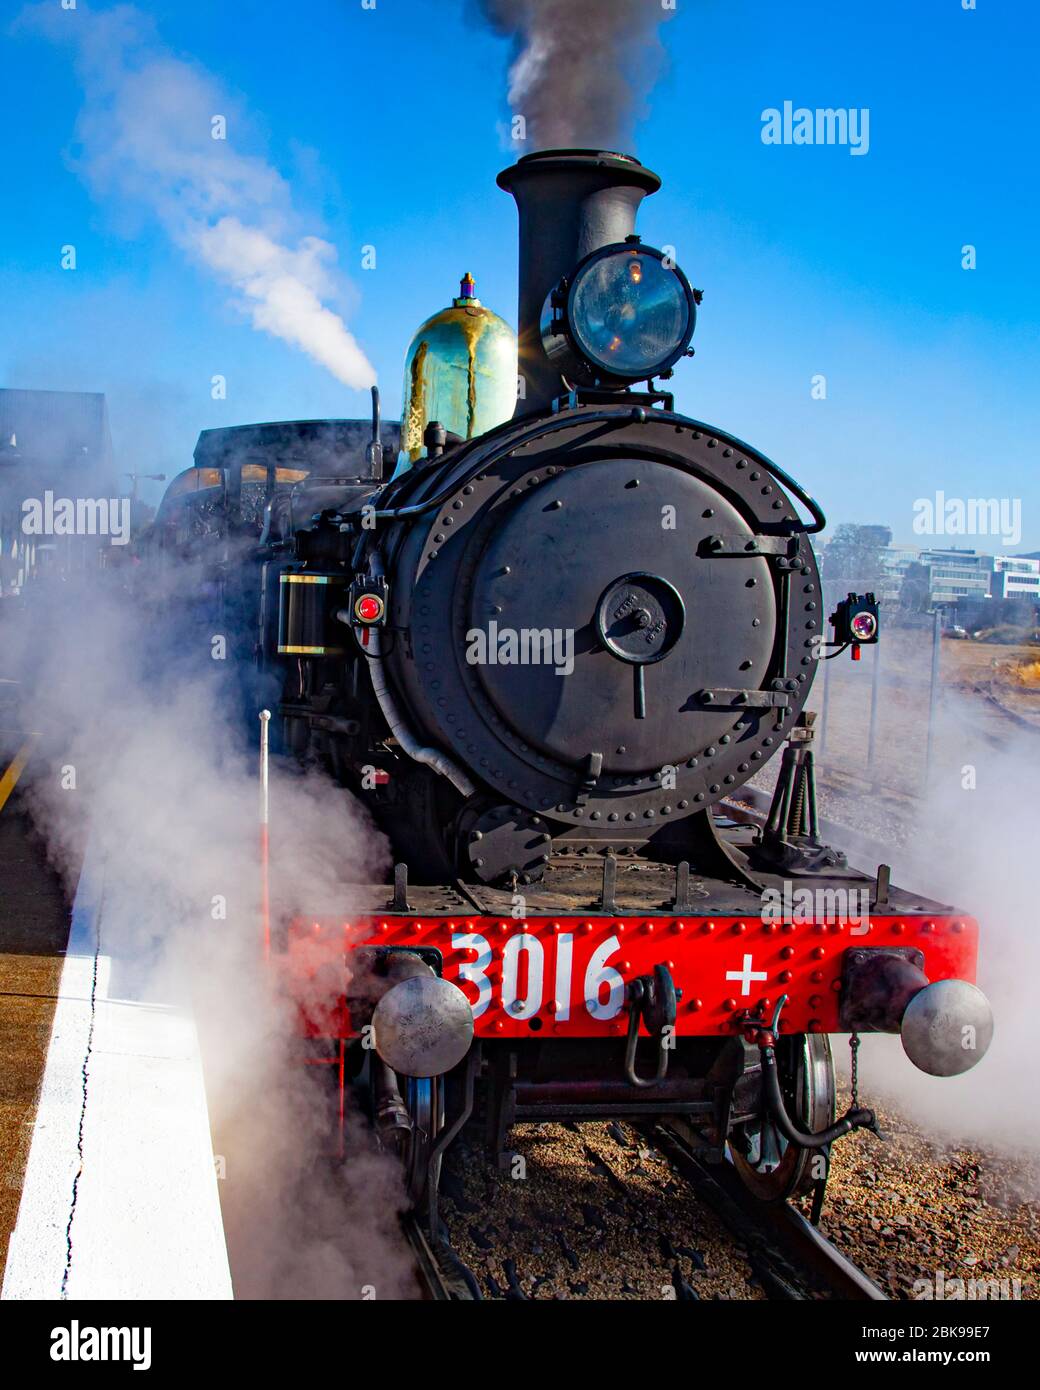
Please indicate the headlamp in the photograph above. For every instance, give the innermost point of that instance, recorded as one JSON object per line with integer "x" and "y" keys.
{"x": 626, "y": 314}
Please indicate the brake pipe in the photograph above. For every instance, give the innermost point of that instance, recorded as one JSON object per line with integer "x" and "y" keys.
{"x": 773, "y": 1097}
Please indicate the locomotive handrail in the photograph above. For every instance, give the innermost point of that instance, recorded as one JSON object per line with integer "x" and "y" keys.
{"x": 782, "y": 476}
{"x": 636, "y": 413}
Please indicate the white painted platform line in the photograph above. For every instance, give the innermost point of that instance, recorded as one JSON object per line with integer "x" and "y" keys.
{"x": 120, "y": 1195}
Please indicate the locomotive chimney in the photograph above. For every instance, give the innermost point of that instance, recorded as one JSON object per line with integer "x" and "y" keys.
{"x": 570, "y": 202}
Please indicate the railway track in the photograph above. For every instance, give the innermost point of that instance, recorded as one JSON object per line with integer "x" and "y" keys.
{"x": 616, "y": 1211}
{"x": 790, "y": 1257}
{"x": 442, "y": 1276}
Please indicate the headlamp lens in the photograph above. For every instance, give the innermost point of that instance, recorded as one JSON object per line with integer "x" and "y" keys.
{"x": 630, "y": 313}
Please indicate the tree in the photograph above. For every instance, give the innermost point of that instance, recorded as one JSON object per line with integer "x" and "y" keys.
{"x": 851, "y": 560}
{"x": 916, "y": 591}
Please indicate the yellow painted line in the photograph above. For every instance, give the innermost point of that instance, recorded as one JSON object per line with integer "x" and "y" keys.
{"x": 9, "y": 780}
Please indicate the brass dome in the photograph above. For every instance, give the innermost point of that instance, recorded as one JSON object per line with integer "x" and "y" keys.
{"x": 461, "y": 369}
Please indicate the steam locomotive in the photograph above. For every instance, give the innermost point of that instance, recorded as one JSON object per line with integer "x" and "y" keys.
{"x": 545, "y": 653}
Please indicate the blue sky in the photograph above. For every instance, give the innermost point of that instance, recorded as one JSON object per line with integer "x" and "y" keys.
{"x": 388, "y": 126}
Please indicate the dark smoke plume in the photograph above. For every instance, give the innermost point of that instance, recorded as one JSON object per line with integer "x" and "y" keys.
{"x": 581, "y": 70}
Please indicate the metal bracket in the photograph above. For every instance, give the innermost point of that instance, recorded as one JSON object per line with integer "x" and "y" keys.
{"x": 884, "y": 877}
{"x": 608, "y": 898}
{"x": 682, "y": 888}
{"x": 590, "y": 395}
{"x": 742, "y": 547}
{"x": 593, "y": 769}
{"x": 746, "y": 699}
{"x": 399, "y": 902}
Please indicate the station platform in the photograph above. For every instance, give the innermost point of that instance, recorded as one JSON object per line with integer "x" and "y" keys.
{"x": 108, "y": 1188}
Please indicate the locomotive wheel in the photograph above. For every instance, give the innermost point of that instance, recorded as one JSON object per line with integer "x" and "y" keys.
{"x": 769, "y": 1167}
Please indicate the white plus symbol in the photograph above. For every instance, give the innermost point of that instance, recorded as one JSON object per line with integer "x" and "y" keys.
{"x": 745, "y": 975}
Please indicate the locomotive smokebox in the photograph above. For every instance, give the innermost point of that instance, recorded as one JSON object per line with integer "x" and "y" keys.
{"x": 570, "y": 203}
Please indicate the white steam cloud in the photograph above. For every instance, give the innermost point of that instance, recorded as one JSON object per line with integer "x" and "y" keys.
{"x": 976, "y": 849}
{"x": 968, "y": 843}
{"x": 126, "y": 695}
{"x": 582, "y": 70}
{"x": 146, "y": 144}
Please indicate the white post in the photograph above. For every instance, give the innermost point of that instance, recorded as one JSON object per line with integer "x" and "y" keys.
{"x": 265, "y": 895}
